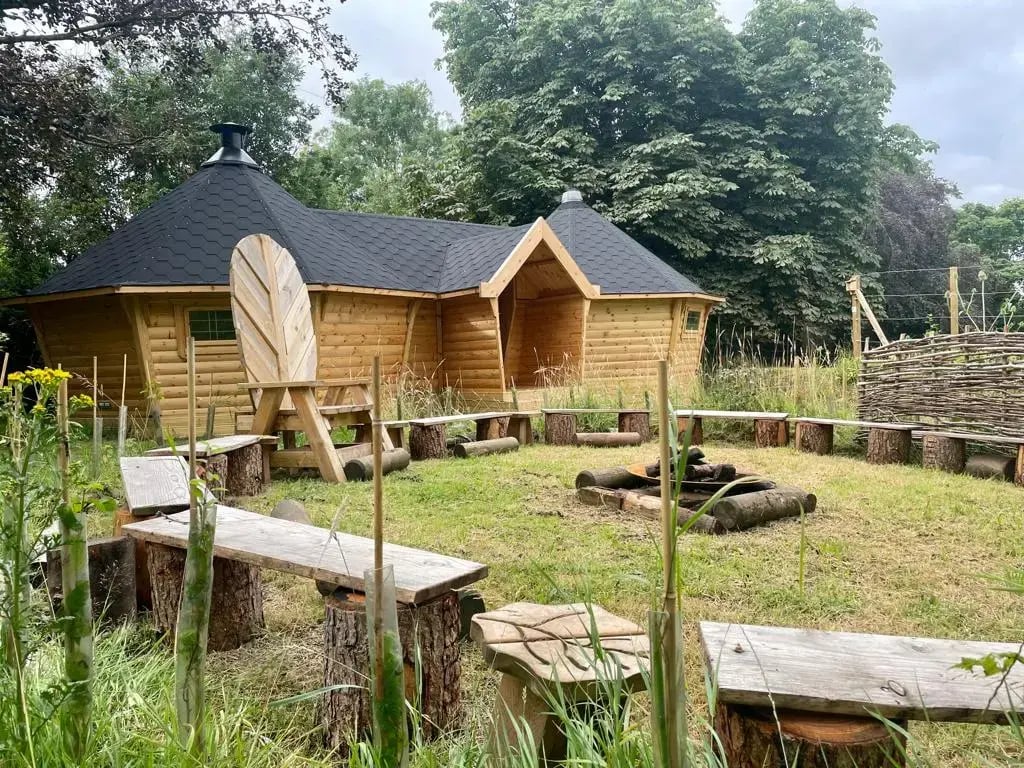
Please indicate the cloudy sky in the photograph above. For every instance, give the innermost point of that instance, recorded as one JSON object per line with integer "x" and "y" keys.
{"x": 958, "y": 67}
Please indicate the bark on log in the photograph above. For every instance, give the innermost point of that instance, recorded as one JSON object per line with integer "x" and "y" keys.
{"x": 756, "y": 738}
{"x": 486, "y": 447}
{"x": 650, "y": 507}
{"x": 1018, "y": 473}
{"x": 429, "y": 632}
{"x": 946, "y": 453}
{"x": 560, "y": 428}
{"x": 991, "y": 465}
{"x": 236, "y": 611}
{"x": 814, "y": 438}
{"x": 745, "y": 510}
{"x": 639, "y": 422}
{"x": 362, "y": 467}
{"x": 143, "y": 591}
{"x": 769, "y": 433}
{"x": 610, "y": 477}
{"x": 427, "y": 442}
{"x": 491, "y": 429}
{"x": 697, "y": 436}
{"x": 888, "y": 446}
{"x": 608, "y": 439}
{"x": 111, "y": 579}
{"x": 244, "y": 475}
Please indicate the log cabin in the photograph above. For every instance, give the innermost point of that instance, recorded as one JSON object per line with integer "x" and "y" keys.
{"x": 568, "y": 298}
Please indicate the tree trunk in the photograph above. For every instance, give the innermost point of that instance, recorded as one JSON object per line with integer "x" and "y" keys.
{"x": 697, "y": 436}
{"x": 754, "y": 738}
{"x": 430, "y": 632}
{"x": 814, "y": 438}
{"x": 745, "y": 510}
{"x": 608, "y": 439}
{"x": 214, "y": 473}
{"x": 362, "y": 468}
{"x": 236, "y": 613}
{"x": 111, "y": 579}
{"x": 143, "y": 591}
{"x": 769, "y": 433}
{"x": 244, "y": 476}
{"x": 560, "y": 428}
{"x": 636, "y": 421}
{"x": 491, "y": 429}
{"x": 486, "y": 447}
{"x": 888, "y": 446}
{"x": 427, "y": 442}
{"x": 611, "y": 477}
{"x": 946, "y": 453}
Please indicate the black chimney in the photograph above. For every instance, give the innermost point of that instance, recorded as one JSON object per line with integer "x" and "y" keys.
{"x": 232, "y": 140}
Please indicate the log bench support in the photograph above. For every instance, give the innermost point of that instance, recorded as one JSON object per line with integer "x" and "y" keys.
{"x": 521, "y": 428}
{"x": 427, "y": 441}
{"x": 560, "y": 428}
{"x": 945, "y": 453}
{"x": 697, "y": 436}
{"x": 429, "y": 632}
{"x": 636, "y": 421}
{"x": 492, "y": 429}
{"x": 771, "y": 433}
{"x": 888, "y": 446}
{"x": 236, "y": 611}
{"x": 816, "y": 438}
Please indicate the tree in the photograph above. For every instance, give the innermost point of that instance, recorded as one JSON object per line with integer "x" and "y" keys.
{"x": 991, "y": 241}
{"x": 366, "y": 159}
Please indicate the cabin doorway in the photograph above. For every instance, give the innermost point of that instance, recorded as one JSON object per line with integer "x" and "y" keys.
{"x": 541, "y": 318}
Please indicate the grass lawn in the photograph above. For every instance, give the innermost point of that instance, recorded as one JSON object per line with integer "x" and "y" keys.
{"x": 890, "y": 549}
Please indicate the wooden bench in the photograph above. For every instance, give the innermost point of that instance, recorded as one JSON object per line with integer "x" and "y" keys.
{"x": 560, "y": 425}
{"x": 771, "y": 429}
{"x": 548, "y": 650}
{"x": 155, "y": 484}
{"x": 948, "y": 450}
{"x": 241, "y": 462}
{"x": 428, "y": 438}
{"x": 888, "y": 442}
{"x": 245, "y": 542}
{"x": 826, "y": 688}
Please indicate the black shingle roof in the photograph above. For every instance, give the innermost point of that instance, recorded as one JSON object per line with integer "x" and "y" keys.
{"x": 186, "y": 238}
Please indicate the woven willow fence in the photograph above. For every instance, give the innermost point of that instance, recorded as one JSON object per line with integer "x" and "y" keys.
{"x": 970, "y": 382}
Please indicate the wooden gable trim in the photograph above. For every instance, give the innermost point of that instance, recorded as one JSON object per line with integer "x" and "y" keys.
{"x": 698, "y": 296}
{"x": 540, "y": 232}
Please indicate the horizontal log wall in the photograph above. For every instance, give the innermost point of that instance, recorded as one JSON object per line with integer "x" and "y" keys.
{"x": 469, "y": 345}
{"x": 544, "y": 345}
{"x": 969, "y": 382}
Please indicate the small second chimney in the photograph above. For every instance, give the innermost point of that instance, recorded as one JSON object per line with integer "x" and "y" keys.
{"x": 232, "y": 141}
{"x": 572, "y": 196}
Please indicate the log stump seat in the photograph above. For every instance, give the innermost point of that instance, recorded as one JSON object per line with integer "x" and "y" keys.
{"x": 808, "y": 697}
{"x": 428, "y": 438}
{"x": 548, "y": 650}
{"x": 560, "y": 427}
{"x": 771, "y": 429}
{"x": 948, "y": 450}
{"x": 240, "y": 462}
{"x": 888, "y": 442}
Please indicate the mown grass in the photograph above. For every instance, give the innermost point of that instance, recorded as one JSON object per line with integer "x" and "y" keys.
{"x": 890, "y": 549}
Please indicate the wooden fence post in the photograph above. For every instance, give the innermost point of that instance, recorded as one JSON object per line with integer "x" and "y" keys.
{"x": 852, "y": 286}
{"x": 954, "y": 301}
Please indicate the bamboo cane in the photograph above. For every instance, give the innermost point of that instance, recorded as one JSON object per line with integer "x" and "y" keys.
{"x": 3, "y": 371}
{"x": 122, "y": 411}
{"x": 193, "y": 624}
{"x": 378, "y": 529}
{"x": 77, "y": 602}
{"x": 97, "y": 429}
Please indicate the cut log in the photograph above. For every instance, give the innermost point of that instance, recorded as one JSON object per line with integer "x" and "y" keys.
{"x": 560, "y": 428}
{"x": 991, "y": 465}
{"x": 722, "y": 473}
{"x": 143, "y": 596}
{"x": 427, "y": 441}
{"x": 471, "y": 603}
{"x": 608, "y": 439}
{"x": 111, "y": 579}
{"x": 745, "y": 510}
{"x": 945, "y": 453}
{"x": 362, "y": 467}
{"x": 236, "y": 611}
{"x": 214, "y": 472}
{"x": 769, "y": 433}
{"x": 491, "y": 429}
{"x": 610, "y": 477}
{"x": 697, "y": 436}
{"x": 521, "y": 428}
{"x": 650, "y": 507}
{"x": 756, "y": 738}
{"x": 1018, "y": 473}
{"x": 245, "y": 471}
{"x": 888, "y": 446}
{"x": 599, "y": 497}
{"x": 429, "y": 632}
{"x": 486, "y": 447}
{"x": 814, "y": 438}
{"x": 636, "y": 421}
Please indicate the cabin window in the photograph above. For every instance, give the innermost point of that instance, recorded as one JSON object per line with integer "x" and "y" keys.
{"x": 211, "y": 325}
{"x": 693, "y": 320}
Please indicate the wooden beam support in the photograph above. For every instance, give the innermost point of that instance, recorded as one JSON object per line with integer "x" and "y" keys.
{"x": 675, "y": 330}
{"x": 853, "y": 288}
{"x": 410, "y": 324}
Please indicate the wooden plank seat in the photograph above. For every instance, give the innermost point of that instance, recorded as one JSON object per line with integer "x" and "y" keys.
{"x": 424, "y": 584}
{"x": 428, "y": 438}
{"x": 155, "y": 484}
{"x": 827, "y": 685}
{"x": 240, "y": 462}
{"x": 549, "y": 650}
{"x": 947, "y": 450}
{"x": 888, "y": 442}
{"x": 771, "y": 429}
{"x": 560, "y": 424}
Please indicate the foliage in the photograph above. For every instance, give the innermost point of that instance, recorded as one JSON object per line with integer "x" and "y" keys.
{"x": 992, "y": 236}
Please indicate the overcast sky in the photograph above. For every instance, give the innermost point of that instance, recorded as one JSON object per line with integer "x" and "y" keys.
{"x": 958, "y": 67}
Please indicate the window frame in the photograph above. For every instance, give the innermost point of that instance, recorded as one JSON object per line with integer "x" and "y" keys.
{"x": 209, "y": 311}
{"x": 686, "y": 320}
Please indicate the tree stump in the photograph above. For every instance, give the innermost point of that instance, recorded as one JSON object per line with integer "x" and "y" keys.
{"x": 769, "y": 433}
{"x": 753, "y": 738}
{"x": 143, "y": 596}
{"x": 814, "y": 438}
{"x": 430, "y": 632}
{"x": 560, "y": 428}
{"x": 521, "y": 428}
{"x": 236, "y": 611}
{"x": 427, "y": 441}
{"x": 636, "y": 421}
{"x": 111, "y": 579}
{"x": 244, "y": 475}
{"x": 491, "y": 429}
{"x": 1018, "y": 473}
{"x": 946, "y": 453}
{"x": 888, "y": 446}
{"x": 697, "y": 436}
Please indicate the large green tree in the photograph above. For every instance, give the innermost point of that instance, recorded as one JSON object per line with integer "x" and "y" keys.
{"x": 990, "y": 240}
